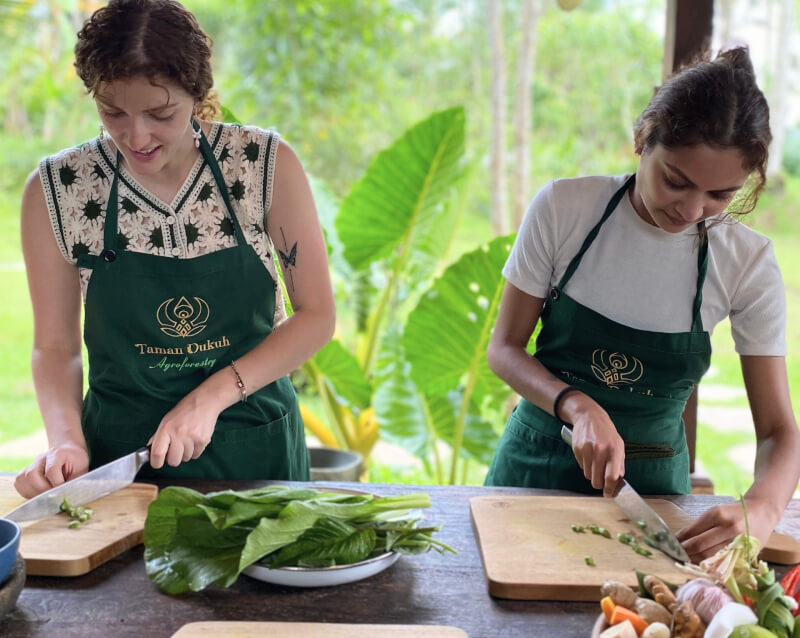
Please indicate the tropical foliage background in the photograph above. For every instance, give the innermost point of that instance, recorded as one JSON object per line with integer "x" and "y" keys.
{"x": 425, "y": 126}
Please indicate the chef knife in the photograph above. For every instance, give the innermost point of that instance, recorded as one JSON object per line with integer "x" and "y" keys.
{"x": 84, "y": 489}
{"x": 657, "y": 532}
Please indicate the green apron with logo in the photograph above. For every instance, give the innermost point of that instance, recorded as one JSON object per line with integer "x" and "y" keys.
{"x": 640, "y": 377}
{"x": 156, "y": 327}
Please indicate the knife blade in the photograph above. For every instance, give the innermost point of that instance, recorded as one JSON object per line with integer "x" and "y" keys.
{"x": 656, "y": 532}
{"x": 89, "y": 487}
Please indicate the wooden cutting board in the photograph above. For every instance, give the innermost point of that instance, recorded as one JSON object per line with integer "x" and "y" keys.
{"x": 529, "y": 551}
{"x": 222, "y": 629}
{"x": 50, "y": 548}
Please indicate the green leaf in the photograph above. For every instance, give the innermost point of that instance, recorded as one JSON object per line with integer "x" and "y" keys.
{"x": 183, "y": 549}
{"x": 399, "y": 407}
{"x": 327, "y": 207}
{"x": 480, "y": 439}
{"x": 446, "y": 335}
{"x": 328, "y": 542}
{"x": 228, "y": 116}
{"x": 343, "y": 371}
{"x": 404, "y": 187}
{"x": 271, "y": 534}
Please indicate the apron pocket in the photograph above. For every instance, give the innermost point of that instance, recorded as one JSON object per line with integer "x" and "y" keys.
{"x": 251, "y": 432}
{"x": 526, "y": 457}
{"x": 273, "y": 451}
{"x": 659, "y": 475}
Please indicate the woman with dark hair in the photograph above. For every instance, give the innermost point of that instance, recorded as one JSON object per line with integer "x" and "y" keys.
{"x": 629, "y": 275}
{"x": 167, "y": 225}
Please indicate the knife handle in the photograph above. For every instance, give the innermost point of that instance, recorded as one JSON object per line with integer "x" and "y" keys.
{"x": 142, "y": 456}
{"x": 566, "y": 434}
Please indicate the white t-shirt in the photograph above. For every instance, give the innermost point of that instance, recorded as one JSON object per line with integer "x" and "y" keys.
{"x": 644, "y": 277}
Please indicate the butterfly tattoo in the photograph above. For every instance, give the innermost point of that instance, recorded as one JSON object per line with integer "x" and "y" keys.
{"x": 288, "y": 258}
{"x": 291, "y": 258}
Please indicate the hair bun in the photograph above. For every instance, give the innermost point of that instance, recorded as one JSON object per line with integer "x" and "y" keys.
{"x": 739, "y": 59}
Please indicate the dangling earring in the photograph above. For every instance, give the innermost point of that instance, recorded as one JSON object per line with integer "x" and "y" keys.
{"x": 196, "y": 135}
{"x": 102, "y": 132}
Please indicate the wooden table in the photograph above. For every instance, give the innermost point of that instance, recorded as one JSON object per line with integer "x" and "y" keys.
{"x": 118, "y": 600}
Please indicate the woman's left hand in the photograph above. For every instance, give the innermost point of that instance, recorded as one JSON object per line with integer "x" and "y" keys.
{"x": 718, "y": 526}
{"x": 184, "y": 432}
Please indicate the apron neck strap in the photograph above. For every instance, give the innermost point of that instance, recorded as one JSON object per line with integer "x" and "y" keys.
{"x": 702, "y": 268}
{"x": 208, "y": 155}
{"x": 110, "y": 230}
{"x": 612, "y": 205}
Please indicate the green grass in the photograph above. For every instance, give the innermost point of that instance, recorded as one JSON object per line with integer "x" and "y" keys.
{"x": 19, "y": 414}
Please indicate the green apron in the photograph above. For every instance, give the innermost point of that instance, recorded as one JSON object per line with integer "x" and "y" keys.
{"x": 155, "y": 327}
{"x": 640, "y": 377}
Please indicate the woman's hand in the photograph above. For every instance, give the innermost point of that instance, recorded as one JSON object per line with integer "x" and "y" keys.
{"x": 52, "y": 468}
{"x": 597, "y": 445}
{"x": 185, "y": 431}
{"x": 718, "y": 526}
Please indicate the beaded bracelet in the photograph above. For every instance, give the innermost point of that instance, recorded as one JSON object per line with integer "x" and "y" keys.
{"x": 559, "y": 397}
{"x": 240, "y": 383}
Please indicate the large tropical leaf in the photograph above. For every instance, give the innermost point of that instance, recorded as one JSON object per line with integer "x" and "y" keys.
{"x": 431, "y": 243}
{"x": 327, "y": 207}
{"x": 480, "y": 439}
{"x": 447, "y": 333}
{"x": 404, "y": 187}
{"x": 344, "y": 373}
{"x": 399, "y": 407}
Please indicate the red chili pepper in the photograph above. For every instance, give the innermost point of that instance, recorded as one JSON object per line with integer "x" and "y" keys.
{"x": 790, "y": 583}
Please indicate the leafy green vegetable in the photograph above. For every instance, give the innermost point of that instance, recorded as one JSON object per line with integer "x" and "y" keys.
{"x": 193, "y": 539}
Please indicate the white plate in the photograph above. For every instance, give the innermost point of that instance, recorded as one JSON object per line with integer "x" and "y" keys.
{"x": 322, "y": 576}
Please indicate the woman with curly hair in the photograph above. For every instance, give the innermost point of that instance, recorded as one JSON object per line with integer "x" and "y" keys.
{"x": 167, "y": 226}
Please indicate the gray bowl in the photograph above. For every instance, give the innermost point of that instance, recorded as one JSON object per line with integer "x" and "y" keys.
{"x": 11, "y": 588}
{"x": 330, "y": 464}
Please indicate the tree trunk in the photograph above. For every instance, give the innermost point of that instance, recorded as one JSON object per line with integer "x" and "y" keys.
{"x": 523, "y": 110}
{"x": 498, "y": 110}
{"x": 779, "y": 89}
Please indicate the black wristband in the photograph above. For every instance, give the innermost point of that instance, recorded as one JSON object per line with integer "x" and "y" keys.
{"x": 559, "y": 397}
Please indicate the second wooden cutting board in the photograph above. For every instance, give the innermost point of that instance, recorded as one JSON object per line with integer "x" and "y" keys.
{"x": 50, "y": 548}
{"x": 529, "y": 551}
{"x": 222, "y": 629}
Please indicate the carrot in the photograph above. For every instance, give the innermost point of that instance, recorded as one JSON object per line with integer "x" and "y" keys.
{"x": 607, "y": 605}
{"x": 620, "y": 614}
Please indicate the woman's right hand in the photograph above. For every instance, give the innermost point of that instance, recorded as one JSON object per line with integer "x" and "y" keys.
{"x": 597, "y": 445}
{"x": 52, "y": 468}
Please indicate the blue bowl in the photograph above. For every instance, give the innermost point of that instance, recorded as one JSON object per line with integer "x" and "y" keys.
{"x": 9, "y": 545}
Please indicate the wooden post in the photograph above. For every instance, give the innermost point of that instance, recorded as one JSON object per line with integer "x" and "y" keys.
{"x": 688, "y": 32}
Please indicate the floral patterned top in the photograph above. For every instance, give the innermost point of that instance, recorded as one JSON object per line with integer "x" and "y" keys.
{"x": 77, "y": 181}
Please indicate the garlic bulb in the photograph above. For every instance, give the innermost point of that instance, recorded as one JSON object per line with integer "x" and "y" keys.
{"x": 706, "y": 597}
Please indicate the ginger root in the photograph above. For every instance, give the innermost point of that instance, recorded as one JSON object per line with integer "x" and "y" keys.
{"x": 620, "y": 593}
{"x": 652, "y": 611}
{"x": 686, "y": 622}
{"x": 660, "y": 592}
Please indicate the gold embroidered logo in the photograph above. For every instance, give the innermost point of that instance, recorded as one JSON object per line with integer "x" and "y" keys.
{"x": 616, "y": 369}
{"x": 182, "y": 318}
